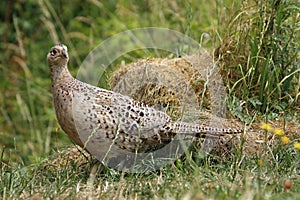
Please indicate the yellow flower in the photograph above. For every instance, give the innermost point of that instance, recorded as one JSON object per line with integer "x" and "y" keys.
{"x": 266, "y": 127}
{"x": 278, "y": 132}
{"x": 260, "y": 162}
{"x": 297, "y": 145}
{"x": 285, "y": 139}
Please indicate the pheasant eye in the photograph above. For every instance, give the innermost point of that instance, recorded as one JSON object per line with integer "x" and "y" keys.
{"x": 53, "y": 52}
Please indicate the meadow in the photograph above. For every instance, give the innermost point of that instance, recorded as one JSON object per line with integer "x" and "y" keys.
{"x": 257, "y": 44}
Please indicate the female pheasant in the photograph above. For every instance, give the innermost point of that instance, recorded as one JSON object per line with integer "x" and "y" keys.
{"x": 109, "y": 124}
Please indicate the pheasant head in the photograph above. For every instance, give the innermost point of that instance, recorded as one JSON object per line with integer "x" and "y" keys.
{"x": 58, "y": 55}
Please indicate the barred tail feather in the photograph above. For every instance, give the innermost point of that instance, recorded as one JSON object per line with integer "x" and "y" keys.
{"x": 194, "y": 129}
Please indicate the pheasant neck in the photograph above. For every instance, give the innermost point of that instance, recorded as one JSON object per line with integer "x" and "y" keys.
{"x": 59, "y": 73}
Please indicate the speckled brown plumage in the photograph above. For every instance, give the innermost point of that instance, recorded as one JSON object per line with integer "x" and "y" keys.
{"x": 97, "y": 118}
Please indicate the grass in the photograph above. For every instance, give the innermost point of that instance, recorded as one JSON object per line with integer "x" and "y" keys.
{"x": 217, "y": 178}
{"x": 266, "y": 70}
{"x": 257, "y": 43}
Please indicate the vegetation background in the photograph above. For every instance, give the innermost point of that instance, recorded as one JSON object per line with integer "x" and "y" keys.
{"x": 257, "y": 42}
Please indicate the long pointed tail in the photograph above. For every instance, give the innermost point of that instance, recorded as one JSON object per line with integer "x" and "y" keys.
{"x": 195, "y": 129}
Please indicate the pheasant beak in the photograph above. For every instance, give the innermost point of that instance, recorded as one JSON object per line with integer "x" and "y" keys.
{"x": 65, "y": 53}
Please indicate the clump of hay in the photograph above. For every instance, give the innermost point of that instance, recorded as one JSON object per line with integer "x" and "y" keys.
{"x": 162, "y": 97}
{"x": 70, "y": 158}
{"x": 172, "y": 83}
